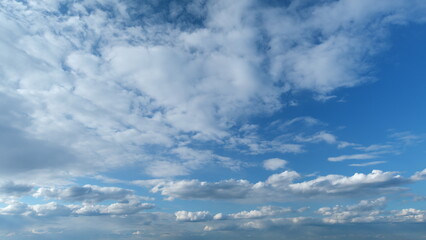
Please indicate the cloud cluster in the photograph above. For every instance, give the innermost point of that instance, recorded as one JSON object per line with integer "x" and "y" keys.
{"x": 85, "y": 201}
{"x": 364, "y": 211}
{"x": 53, "y": 209}
{"x": 86, "y": 193}
{"x": 282, "y": 187}
{"x": 270, "y": 218}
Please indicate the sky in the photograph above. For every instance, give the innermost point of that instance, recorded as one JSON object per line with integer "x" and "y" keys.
{"x": 212, "y": 119}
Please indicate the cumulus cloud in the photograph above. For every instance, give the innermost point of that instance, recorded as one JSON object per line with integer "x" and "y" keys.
{"x": 282, "y": 187}
{"x": 264, "y": 211}
{"x": 421, "y": 175}
{"x": 274, "y": 163}
{"x": 53, "y": 209}
{"x": 185, "y": 216}
{"x": 364, "y": 211}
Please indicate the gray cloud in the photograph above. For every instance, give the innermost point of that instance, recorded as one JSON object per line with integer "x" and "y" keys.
{"x": 86, "y": 193}
{"x": 13, "y": 189}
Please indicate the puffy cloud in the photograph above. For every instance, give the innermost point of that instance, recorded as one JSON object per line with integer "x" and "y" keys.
{"x": 421, "y": 175}
{"x": 185, "y": 216}
{"x": 410, "y": 215}
{"x": 358, "y": 183}
{"x": 364, "y": 211}
{"x": 264, "y": 211}
{"x": 282, "y": 187}
{"x": 15, "y": 208}
{"x": 53, "y": 209}
{"x": 202, "y": 216}
{"x": 274, "y": 164}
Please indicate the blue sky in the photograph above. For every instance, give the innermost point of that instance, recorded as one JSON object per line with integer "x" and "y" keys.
{"x": 212, "y": 119}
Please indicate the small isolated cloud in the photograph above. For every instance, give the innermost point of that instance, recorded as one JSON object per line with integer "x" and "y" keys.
{"x": 274, "y": 164}
{"x": 352, "y": 157}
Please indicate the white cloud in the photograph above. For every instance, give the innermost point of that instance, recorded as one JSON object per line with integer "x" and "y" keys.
{"x": 366, "y": 164}
{"x": 318, "y": 137}
{"x": 374, "y": 147}
{"x": 352, "y": 157}
{"x": 409, "y": 215}
{"x": 264, "y": 211}
{"x": 283, "y": 188}
{"x": 86, "y": 193}
{"x": 194, "y": 189}
{"x": 421, "y": 175}
{"x": 309, "y": 121}
{"x": 364, "y": 211}
{"x": 274, "y": 164}
{"x": 185, "y": 216}
{"x": 53, "y": 209}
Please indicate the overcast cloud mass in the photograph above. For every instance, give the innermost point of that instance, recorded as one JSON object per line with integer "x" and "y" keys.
{"x": 212, "y": 119}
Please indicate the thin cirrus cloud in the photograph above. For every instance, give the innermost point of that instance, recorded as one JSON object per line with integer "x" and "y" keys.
{"x": 366, "y": 164}
{"x": 352, "y": 157}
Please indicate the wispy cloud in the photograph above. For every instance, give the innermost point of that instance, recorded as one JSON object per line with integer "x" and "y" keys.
{"x": 352, "y": 157}
{"x": 366, "y": 164}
